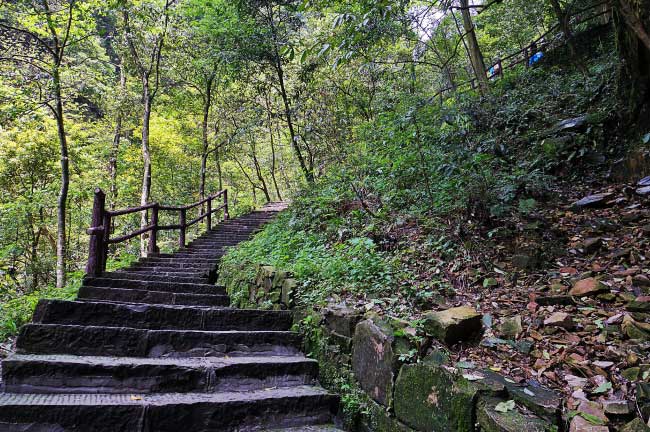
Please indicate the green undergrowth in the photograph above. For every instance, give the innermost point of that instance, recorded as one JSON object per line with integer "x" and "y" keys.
{"x": 323, "y": 267}
{"x": 422, "y": 175}
{"x": 17, "y": 308}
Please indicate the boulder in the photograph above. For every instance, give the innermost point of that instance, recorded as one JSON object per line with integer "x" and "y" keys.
{"x": 593, "y": 201}
{"x": 379, "y": 420}
{"x": 635, "y": 330}
{"x": 491, "y": 420}
{"x": 635, "y": 425}
{"x": 644, "y": 182}
{"x": 559, "y": 319}
{"x": 342, "y": 319}
{"x": 288, "y": 290}
{"x": 374, "y": 361}
{"x": 511, "y": 327}
{"x": 522, "y": 262}
{"x": 579, "y": 424}
{"x": 641, "y": 280}
{"x": 592, "y": 411}
{"x": 541, "y": 401}
{"x": 644, "y": 191}
{"x": 588, "y": 287}
{"x": 571, "y": 125}
{"x": 640, "y": 304}
{"x": 616, "y": 407}
{"x": 453, "y": 325}
{"x": 592, "y": 244}
{"x": 433, "y": 398}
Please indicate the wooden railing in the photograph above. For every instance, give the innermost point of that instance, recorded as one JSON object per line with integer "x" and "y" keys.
{"x": 523, "y": 56}
{"x": 102, "y": 219}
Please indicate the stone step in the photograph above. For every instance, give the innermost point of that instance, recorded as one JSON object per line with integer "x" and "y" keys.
{"x": 131, "y": 342}
{"x": 74, "y": 374}
{"x": 209, "y": 246}
{"x": 159, "y": 317}
{"x": 191, "y": 253}
{"x": 150, "y": 297}
{"x": 176, "y": 264}
{"x": 177, "y": 277}
{"x": 203, "y": 288}
{"x": 226, "y": 239}
{"x": 172, "y": 412}
{"x": 321, "y": 428}
{"x": 196, "y": 258}
{"x": 170, "y": 270}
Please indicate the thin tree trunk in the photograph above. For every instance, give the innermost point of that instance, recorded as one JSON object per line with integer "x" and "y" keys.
{"x": 115, "y": 150}
{"x": 270, "y": 127}
{"x": 475, "y": 55}
{"x": 146, "y": 158}
{"x": 309, "y": 175}
{"x": 207, "y": 102}
{"x": 65, "y": 183}
{"x": 217, "y": 157}
{"x": 258, "y": 170}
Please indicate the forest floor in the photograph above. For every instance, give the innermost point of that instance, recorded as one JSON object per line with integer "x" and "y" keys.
{"x": 564, "y": 292}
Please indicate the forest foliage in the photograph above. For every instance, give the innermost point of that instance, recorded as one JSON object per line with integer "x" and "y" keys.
{"x": 340, "y": 102}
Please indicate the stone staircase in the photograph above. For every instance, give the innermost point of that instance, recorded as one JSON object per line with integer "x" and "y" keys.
{"x": 155, "y": 348}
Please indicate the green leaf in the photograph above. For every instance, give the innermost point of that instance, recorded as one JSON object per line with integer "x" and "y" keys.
{"x": 504, "y": 407}
{"x": 603, "y": 388}
{"x": 592, "y": 419}
{"x": 490, "y": 282}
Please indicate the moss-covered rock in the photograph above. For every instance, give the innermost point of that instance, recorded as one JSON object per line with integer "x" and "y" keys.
{"x": 635, "y": 425}
{"x": 380, "y": 420}
{"x": 374, "y": 361}
{"x": 429, "y": 397}
{"x": 342, "y": 319}
{"x": 453, "y": 325}
{"x": 489, "y": 419}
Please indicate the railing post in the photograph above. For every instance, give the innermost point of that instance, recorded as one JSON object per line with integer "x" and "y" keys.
{"x": 182, "y": 223}
{"x": 153, "y": 236}
{"x": 226, "y": 215}
{"x": 106, "y": 236}
{"x": 208, "y": 218}
{"x": 527, "y": 56}
{"x": 500, "y": 63}
{"x": 95, "y": 264}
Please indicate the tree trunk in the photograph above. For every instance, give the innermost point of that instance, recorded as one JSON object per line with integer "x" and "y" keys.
{"x": 217, "y": 157}
{"x": 270, "y": 127}
{"x": 258, "y": 172}
{"x": 475, "y": 55}
{"x": 563, "y": 19}
{"x": 115, "y": 150}
{"x": 633, "y": 44}
{"x": 309, "y": 176}
{"x": 65, "y": 183}
{"x": 207, "y": 102}
{"x": 146, "y": 158}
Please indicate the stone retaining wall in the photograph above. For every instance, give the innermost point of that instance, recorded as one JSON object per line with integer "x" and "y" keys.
{"x": 267, "y": 288}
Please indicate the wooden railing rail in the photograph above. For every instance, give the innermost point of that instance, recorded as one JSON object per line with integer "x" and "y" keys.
{"x": 100, "y": 232}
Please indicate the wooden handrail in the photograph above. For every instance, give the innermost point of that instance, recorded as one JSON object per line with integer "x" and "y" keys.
{"x": 100, "y": 235}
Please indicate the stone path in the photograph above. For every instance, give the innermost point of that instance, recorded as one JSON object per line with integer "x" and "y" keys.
{"x": 155, "y": 348}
